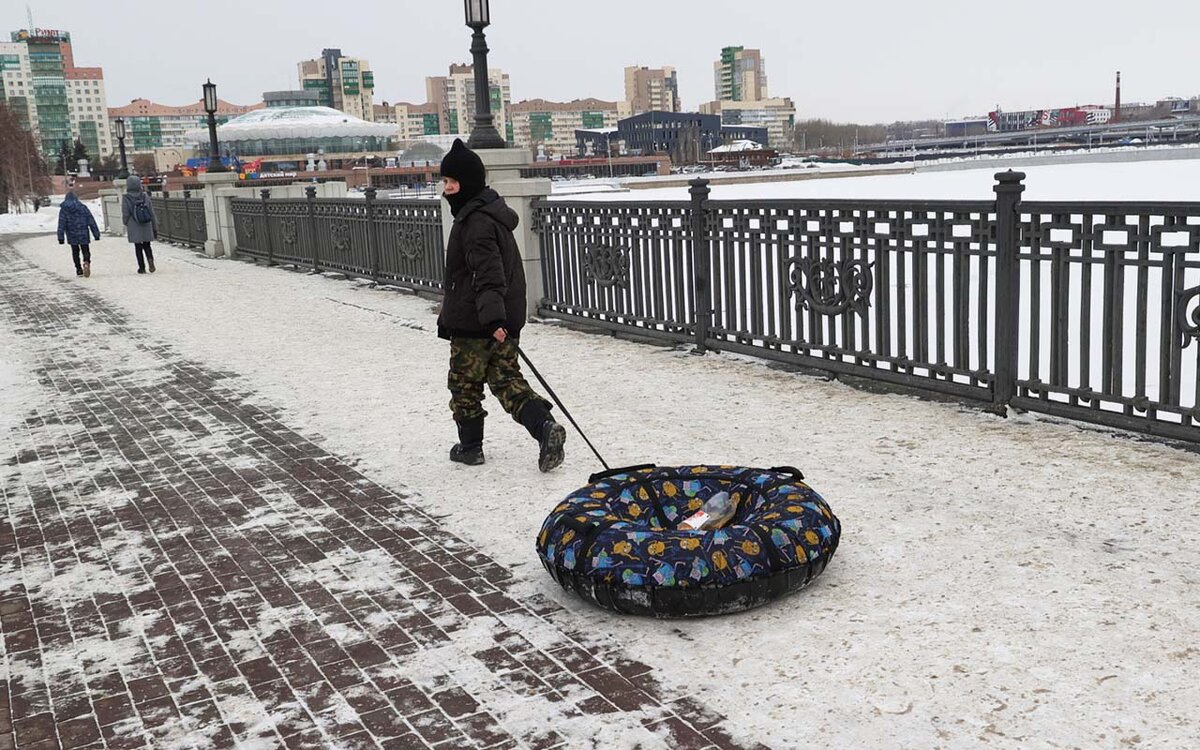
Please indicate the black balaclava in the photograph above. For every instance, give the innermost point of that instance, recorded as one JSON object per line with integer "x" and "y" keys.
{"x": 464, "y": 165}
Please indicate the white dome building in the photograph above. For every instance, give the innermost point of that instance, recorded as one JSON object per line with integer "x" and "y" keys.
{"x": 289, "y": 134}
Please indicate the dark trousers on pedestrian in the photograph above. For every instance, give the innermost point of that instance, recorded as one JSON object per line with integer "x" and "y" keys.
{"x": 85, "y": 251}
{"x": 144, "y": 253}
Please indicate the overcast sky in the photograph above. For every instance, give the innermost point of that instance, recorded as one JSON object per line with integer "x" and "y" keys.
{"x": 866, "y": 61}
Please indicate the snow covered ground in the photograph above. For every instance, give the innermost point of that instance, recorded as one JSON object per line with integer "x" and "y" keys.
{"x": 46, "y": 218}
{"x": 1130, "y": 181}
{"x": 1006, "y": 583}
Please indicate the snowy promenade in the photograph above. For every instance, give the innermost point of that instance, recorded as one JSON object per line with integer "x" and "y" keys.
{"x": 227, "y": 519}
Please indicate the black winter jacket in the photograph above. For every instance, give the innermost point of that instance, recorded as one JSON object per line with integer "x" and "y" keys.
{"x": 485, "y": 279}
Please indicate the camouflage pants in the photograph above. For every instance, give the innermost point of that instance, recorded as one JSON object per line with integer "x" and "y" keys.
{"x": 474, "y": 362}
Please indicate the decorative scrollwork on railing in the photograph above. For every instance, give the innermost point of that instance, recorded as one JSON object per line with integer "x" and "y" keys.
{"x": 607, "y": 266}
{"x": 248, "y": 227}
{"x": 339, "y": 236}
{"x": 198, "y": 222}
{"x": 287, "y": 228}
{"x": 411, "y": 242}
{"x": 831, "y": 287}
{"x": 177, "y": 221}
{"x": 1189, "y": 321}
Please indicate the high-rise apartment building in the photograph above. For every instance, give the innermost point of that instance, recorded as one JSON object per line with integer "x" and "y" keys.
{"x": 412, "y": 120}
{"x": 740, "y": 75}
{"x": 652, "y": 89}
{"x": 417, "y": 120}
{"x": 149, "y": 125}
{"x": 552, "y": 125}
{"x": 344, "y": 83}
{"x": 777, "y": 115}
{"x": 742, "y": 101}
{"x": 57, "y": 101}
{"x": 454, "y": 95}
{"x": 292, "y": 98}
{"x": 385, "y": 113}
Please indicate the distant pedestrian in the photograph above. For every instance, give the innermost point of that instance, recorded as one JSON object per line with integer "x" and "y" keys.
{"x": 77, "y": 226}
{"x": 483, "y": 311}
{"x": 141, "y": 225}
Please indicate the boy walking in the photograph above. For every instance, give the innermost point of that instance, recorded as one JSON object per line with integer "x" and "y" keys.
{"x": 483, "y": 312}
{"x": 75, "y": 224}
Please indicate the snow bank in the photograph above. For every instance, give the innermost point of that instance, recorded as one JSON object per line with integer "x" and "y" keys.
{"x": 45, "y": 219}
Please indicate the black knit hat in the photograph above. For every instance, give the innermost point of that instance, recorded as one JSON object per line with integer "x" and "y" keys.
{"x": 464, "y": 165}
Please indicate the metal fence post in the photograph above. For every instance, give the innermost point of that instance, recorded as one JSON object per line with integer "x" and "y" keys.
{"x": 165, "y": 226}
{"x": 187, "y": 218}
{"x": 310, "y": 193}
{"x": 266, "y": 193}
{"x": 372, "y": 244}
{"x": 1008, "y": 285}
{"x": 701, "y": 263}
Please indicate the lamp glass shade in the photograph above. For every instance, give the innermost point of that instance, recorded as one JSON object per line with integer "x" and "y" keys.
{"x": 477, "y": 13}
{"x": 120, "y": 128}
{"x": 210, "y": 97}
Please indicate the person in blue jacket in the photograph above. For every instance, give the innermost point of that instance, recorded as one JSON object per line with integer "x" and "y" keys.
{"x": 75, "y": 224}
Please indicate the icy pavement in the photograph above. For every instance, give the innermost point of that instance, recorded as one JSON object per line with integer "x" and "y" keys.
{"x": 182, "y": 569}
{"x": 234, "y": 434}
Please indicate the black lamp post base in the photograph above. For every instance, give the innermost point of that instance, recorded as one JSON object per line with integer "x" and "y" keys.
{"x": 484, "y": 138}
{"x": 483, "y": 134}
{"x": 214, "y": 149}
{"x": 124, "y": 173}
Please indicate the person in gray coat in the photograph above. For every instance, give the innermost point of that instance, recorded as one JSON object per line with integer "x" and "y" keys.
{"x": 141, "y": 225}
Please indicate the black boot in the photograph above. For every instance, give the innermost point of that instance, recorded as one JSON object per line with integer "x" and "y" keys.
{"x": 469, "y": 449}
{"x": 551, "y": 436}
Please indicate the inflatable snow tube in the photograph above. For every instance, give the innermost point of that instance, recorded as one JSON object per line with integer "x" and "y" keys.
{"x": 616, "y": 542}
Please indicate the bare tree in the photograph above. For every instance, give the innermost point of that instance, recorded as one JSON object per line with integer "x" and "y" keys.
{"x": 826, "y": 136}
{"x": 23, "y": 175}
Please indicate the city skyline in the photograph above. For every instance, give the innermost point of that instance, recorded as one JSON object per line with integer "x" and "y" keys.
{"x": 885, "y": 74}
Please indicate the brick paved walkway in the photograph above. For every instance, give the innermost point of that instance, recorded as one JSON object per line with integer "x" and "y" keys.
{"x": 178, "y": 568}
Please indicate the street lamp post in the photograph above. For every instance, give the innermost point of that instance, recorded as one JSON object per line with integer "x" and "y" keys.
{"x": 124, "y": 173}
{"x": 210, "y": 106}
{"x": 484, "y": 134}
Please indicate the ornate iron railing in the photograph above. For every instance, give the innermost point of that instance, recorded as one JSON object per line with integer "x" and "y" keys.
{"x": 1080, "y": 310}
{"x": 897, "y": 287}
{"x": 620, "y": 264}
{"x": 1083, "y": 310}
{"x": 181, "y": 219}
{"x": 1110, "y": 314}
{"x": 390, "y": 242}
